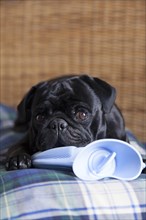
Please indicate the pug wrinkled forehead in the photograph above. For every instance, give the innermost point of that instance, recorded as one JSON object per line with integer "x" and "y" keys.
{"x": 59, "y": 94}
{"x": 63, "y": 96}
{"x": 65, "y": 91}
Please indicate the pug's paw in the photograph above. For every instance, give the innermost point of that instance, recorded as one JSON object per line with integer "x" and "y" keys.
{"x": 21, "y": 161}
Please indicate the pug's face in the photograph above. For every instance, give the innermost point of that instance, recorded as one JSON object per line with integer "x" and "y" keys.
{"x": 67, "y": 111}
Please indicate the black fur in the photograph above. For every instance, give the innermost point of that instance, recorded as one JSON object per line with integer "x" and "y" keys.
{"x": 70, "y": 110}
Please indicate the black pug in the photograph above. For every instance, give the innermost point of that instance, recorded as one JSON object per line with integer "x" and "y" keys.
{"x": 70, "y": 110}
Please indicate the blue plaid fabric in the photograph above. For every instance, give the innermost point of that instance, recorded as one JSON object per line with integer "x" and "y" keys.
{"x": 55, "y": 194}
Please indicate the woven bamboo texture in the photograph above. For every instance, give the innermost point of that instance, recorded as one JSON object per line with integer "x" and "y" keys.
{"x": 41, "y": 39}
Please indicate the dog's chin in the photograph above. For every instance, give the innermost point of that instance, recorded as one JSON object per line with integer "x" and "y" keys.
{"x": 47, "y": 139}
{"x": 46, "y": 146}
{"x": 52, "y": 142}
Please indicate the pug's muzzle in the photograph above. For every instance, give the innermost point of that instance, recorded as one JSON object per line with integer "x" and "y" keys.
{"x": 60, "y": 132}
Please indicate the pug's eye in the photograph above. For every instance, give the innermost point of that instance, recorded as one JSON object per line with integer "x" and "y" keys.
{"x": 81, "y": 115}
{"x": 40, "y": 117}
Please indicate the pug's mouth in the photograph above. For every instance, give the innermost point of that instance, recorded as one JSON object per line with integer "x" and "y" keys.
{"x": 60, "y": 139}
{"x": 60, "y": 132}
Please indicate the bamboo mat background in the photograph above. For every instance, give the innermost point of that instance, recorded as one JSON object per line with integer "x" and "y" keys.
{"x": 41, "y": 39}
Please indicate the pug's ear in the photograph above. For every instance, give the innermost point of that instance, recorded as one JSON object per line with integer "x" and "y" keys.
{"x": 104, "y": 91}
{"x": 107, "y": 94}
{"x": 24, "y": 110}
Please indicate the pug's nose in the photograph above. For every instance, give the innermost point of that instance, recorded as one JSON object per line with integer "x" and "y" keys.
{"x": 58, "y": 125}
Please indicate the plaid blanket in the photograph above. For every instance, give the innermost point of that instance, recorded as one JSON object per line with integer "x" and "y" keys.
{"x": 55, "y": 194}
